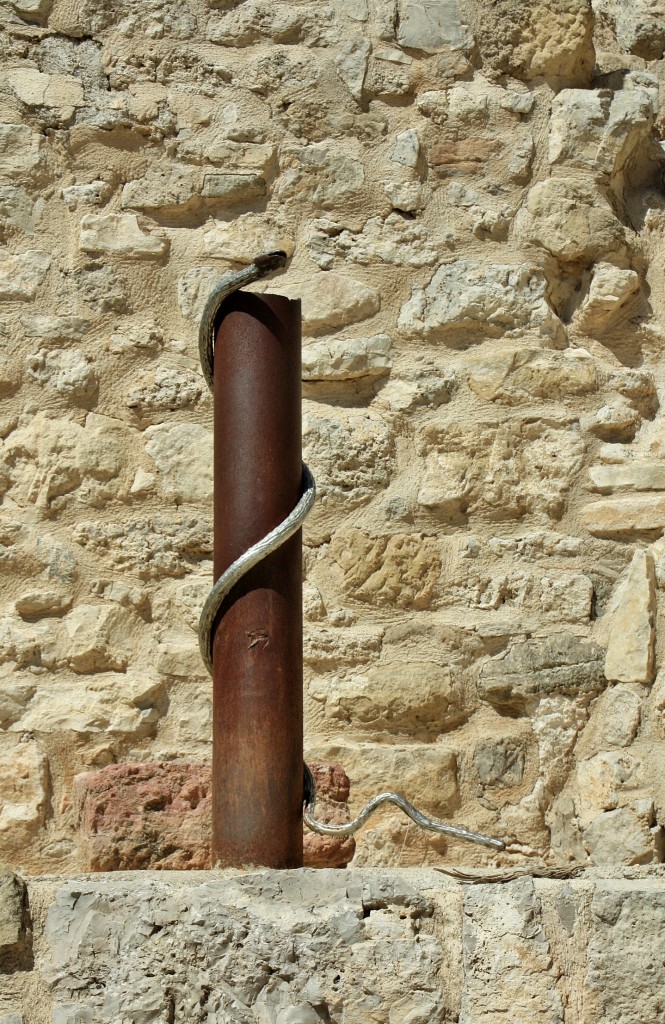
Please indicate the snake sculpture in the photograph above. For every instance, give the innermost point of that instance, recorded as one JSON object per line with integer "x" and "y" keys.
{"x": 261, "y": 267}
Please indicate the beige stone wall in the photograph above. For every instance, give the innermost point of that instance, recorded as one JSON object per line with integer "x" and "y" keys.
{"x": 471, "y": 192}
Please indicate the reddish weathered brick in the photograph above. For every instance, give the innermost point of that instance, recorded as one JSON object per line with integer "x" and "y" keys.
{"x": 158, "y": 815}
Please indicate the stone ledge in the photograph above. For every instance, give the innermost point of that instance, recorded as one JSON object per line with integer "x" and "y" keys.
{"x": 369, "y": 946}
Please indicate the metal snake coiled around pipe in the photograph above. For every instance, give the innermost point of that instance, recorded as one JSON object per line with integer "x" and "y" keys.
{"x": 261, "y": 267}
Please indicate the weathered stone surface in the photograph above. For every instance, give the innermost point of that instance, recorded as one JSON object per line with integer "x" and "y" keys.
{"x": 401, "y": 570}
{"x": 332, "y": 300}
{"x": 119, "y": 233}
{"x": 228, "y": 189}
{"x": 553, "y": 40}
{"x": 599, "y": 130}
{"x": 562, "y": 664}
{"x": 610, "y": 290}
{"x": 391, "y": 240}
{"x": 469, "y": 198}
{"x": 514, "y": 375}
{"x": 570, "y": 219}
{"x": 347, "y": 358}
{"x": 21, "y": 276}
{"x": 508, "y": 965}
{"x": 630, "y": 624}
{"x": 416, "y": 698}
{"x": 625, "y": 835}
{"x": 171, "y": 448}
{"x": 475, "y": 299}
{"x": 624, "y": 514}
{"x": 23, "y": 796}
{"x": 433, "y": 24}
{"x": 158, "y": 815}
{"x": 630, "y": 476}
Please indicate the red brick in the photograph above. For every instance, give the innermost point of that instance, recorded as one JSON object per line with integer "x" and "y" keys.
{"x": 157, "y": 815}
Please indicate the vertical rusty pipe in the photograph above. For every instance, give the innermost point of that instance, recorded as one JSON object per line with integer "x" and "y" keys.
{"x": 257, "y": 787}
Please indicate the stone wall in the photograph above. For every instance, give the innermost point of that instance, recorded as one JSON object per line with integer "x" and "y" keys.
{"x": 370, "y": 946}
{"x": 471, "y": 193}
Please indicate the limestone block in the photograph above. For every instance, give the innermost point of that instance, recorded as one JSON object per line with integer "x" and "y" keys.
{"x": 230, "y": 189}
{"x": 15, "y": 930}
{"x": 626, "y": 835}
{"x": 605, "y": 781}
{"x": 351, "y": 64}
{"x": 508, "y": 969}
{"x": 351, "y": 454}
{"x": 347, "y": 358}
{"x": 158, "y": 816}
{"x": 499, "y": 470}
{"x": 21, "y": 276}
{"x": 32, "y": 11}
{"x": 401, "y": 570}
{"x": 405, "y": 196}
{"x": 166, "y": 389}
{"x": 258, "y": 21}
{"x": 624, "y": 514}
{"x": 391, "y": 240}
{"x": 512, "y": 375}
{"x": 425, "y": 773}
{"x": 465, "y": 156}
{"x": 90, "y": 193}
{"x": 626, "y": 934}
{"x": 617, "y": 421}
{"x": 21, "y": 152}
{"x": 153, "y": 546}
{"x": 327, "y": 649}
{"x": 468, "y": 300}
{"x": 240, "y": 239}
{"x": 166, "y": 187}
{"x": 558, "y": 664}
{"x": 433, "y": 25}
{"x": 54, "y": 457}
{"x": 182, "y": 478}
{"x": 615, "y": 719}
{"x": 598, "y": 130}
{"x": 119, "y": 233}
{"x": 36, "y": 89}
{"x": 499, "y": 762}
{"x": 333, "y": 300}
{"x": 609, "y": 291}
{"x": 322, "y": 174}
{"x": 37, "y": 604}
{"x": 553, "y": 40}
{"x": 627, "y": 476}
{"x": 23, "y": 795}
{"x": 415, "y": 698}
{"x": 118, "y": 704}
{"x": 569, "y": 219}
{"x": 638, "y": 25}
{"x": 99, "y": 638}
{"x": 54, "y": 329}
{"x": 561, "y": 596}
{"x": 406, "y": 149}
{"x": 630, "y": 624}
{"x": 18, "y": 212}
{"x": 349, "y": 941}
{"x": 68, "y": 371}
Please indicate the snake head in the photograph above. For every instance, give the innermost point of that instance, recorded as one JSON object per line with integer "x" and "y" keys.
{"x": 269, "y": 261}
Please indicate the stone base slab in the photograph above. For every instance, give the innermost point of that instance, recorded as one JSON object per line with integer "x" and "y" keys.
{"x": 369, "y": 946}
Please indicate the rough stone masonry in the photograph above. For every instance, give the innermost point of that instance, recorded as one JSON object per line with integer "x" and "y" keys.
{"x": 368, "y": 946}
{"x": 472, "y": 196}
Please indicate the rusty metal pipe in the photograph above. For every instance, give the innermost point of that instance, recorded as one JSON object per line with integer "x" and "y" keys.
{"x": 257, "y": 780}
